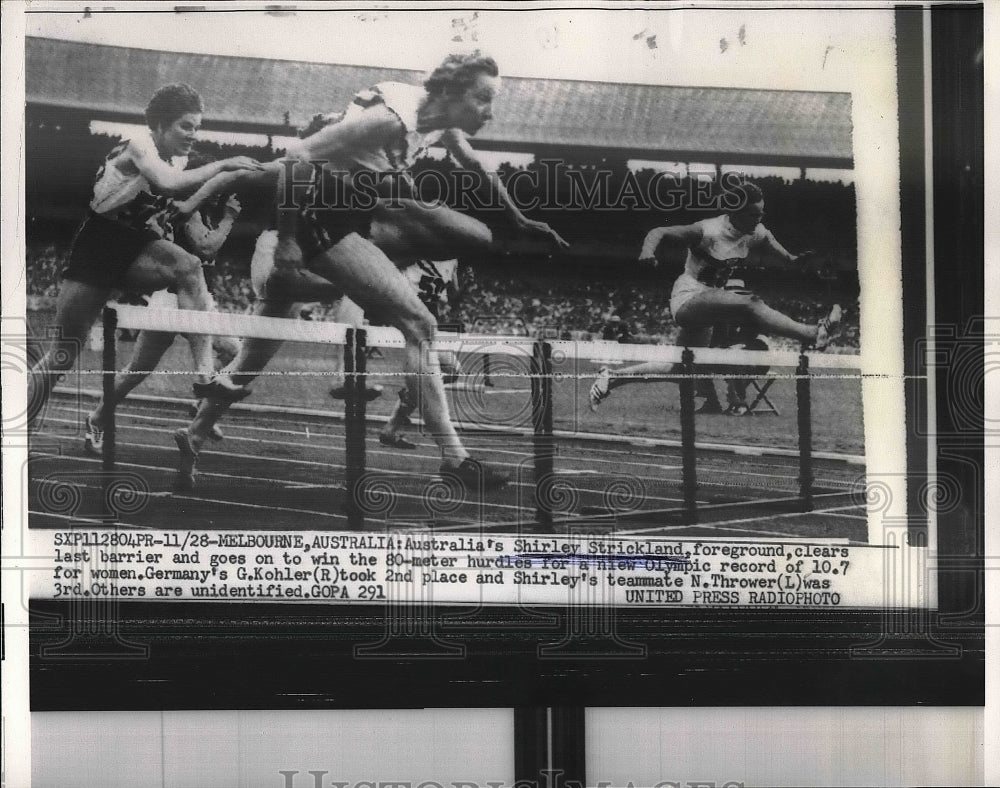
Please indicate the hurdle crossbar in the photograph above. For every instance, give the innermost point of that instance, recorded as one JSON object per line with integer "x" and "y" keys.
{"x": 228, "y": 324}
{"x": 356, "y": 342}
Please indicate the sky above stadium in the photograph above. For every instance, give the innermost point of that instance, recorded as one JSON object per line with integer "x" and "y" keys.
{"x": 811, "y": 49}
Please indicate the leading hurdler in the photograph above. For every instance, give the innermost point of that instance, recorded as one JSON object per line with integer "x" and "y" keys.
{"x": 321, "y": 253}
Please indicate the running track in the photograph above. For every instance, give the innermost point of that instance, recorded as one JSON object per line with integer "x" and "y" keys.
{"x": 281, "y": 471}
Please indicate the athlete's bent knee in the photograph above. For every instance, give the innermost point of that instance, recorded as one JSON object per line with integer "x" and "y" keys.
{"x": 418, "y": 328}
{"x": 187, "y": 273}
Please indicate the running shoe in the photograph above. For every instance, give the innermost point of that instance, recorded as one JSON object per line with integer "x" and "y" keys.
{"x": 372, "y": 392}
{"x": 738, "y": 409}
{"x": 215, "y": 433}
{"x": 396, "y": 442}
{"x": 829, "y": 328}
{"x": 221, "y": 388}
{"x": 709, "y": 408}
{"x": 475, "y": 475}
{"x": 404, "y": 398}
{"x": 188, "y": 466}
{"x": 601, "y": 389}
{"x": 93, "y": 439}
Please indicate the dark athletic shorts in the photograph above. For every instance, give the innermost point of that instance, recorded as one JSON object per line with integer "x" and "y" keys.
{"x": 103, "y": 250}
{"x": 341, "y": 211}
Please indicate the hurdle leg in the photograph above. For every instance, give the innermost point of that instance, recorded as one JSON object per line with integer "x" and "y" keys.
{"x": 110, "y": 365}
{"x": 541, "y": 418}
{"x": 486, "y": 370}
{"x": 689, "y": 472}
{"x": 804, "y": 401}
{"x": 354, "y": 424}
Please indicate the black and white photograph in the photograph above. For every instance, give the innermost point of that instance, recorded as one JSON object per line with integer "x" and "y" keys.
{"x": 482, "y": 340}
{"x": 531, "y": 332}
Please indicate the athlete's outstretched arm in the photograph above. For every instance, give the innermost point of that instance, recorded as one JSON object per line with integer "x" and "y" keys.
{"x": 205, "y": 241}
{"x": 169, "y": 180}
{"x": 220, "y": 183}
{"x": 681, "y": 235}
{"x": 458, "y": 145}
{"x": 368, "y": 130}
{"x": 771, "y": 244}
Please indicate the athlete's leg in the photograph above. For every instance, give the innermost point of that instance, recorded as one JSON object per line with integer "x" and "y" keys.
{"x": 150, "y": 346}
{"x": 300, "y": 286}
{"x": 400, "y": 417}
{"x": 78, "y": 306}
{"x": 253, "y": 357}
{"x": 149, "y": 349}
{"x": 408, "y": 231}
{"x": 742, "y": 308}
{"x": 225, "y": 349}
{"x": 658, "y": 372}
{"x": 407, "y": 404}
{"x": 163, "y": 264}
{"x": 699, "y": 336}
{"x": 372, "y": 280}
{"x": 726, "y": 306}
{"x": 696, "y": 317}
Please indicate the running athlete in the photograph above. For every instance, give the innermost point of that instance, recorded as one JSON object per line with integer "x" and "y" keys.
{"x": 698, "y": 300}
{"x": 382, "y": 132}
{"x": 201, "y": 231}
{"x": 126, "y": 240}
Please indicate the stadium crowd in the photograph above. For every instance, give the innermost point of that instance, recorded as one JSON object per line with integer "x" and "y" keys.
{"x": 493, "y": 301}
{"x": 572, "y": 297}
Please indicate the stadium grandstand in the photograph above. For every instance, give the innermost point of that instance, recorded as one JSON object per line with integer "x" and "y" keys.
{"x": 538, "y": 116}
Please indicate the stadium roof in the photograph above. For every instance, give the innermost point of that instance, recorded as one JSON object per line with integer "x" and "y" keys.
{"x": 720, "y": 125}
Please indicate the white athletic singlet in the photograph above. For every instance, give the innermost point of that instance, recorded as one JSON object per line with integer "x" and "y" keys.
{"x": 124, "y": 194}
{"x": 721, "y": 245}
{"x": 403, "y": 101}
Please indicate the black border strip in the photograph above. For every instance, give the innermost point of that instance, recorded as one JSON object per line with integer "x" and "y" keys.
{"x": 959, "y": 178}
{"x": 912, "y": 209}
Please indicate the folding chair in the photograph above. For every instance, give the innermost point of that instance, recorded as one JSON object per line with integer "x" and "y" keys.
{"x": 761, "y": 400}
{"x": 730, "y": 335}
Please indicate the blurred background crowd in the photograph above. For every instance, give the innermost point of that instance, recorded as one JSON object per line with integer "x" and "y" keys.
{"x": 596, "y": 290}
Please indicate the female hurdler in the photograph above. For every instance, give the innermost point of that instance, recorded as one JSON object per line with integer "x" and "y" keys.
{"x": 699, "y": 299}
{"x": 126, "y": 240}
{"x": 328, "y": 250}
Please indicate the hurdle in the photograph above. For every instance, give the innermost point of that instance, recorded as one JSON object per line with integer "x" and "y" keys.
{"x": 805, "y": 366}
{"x": 356, "y": 343}
{"x": 355, "y": 361}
